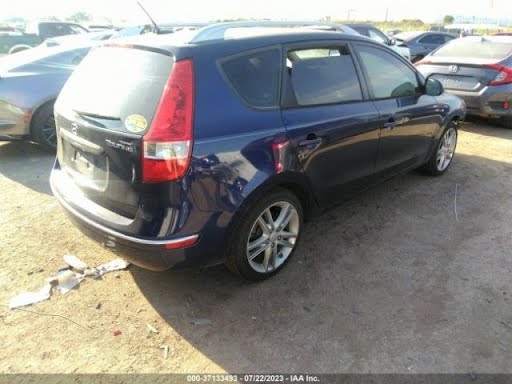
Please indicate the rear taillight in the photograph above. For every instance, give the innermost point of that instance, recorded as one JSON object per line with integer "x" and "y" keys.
{"x": 167, "y": 146}
{"x": 503, "y": 77}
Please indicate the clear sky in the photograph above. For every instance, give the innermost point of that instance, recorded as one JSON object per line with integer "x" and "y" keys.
{"x": 195, "y": 10}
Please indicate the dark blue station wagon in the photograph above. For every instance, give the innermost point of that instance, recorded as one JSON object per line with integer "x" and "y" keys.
{"x": 216, "y": 151}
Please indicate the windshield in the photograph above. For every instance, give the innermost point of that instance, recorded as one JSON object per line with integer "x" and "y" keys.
{"x": 477, "y": 48}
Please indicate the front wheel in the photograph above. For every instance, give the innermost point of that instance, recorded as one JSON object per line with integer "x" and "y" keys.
{"x": 445, "y": 150}
{"x": 266, "y": 236}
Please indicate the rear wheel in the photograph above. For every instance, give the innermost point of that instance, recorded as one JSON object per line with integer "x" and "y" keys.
{"x": 42, "y": 128}
{"x": 506, "y": 122}
{"x": 445, "y": 150}
{"x": 266, "y": 236}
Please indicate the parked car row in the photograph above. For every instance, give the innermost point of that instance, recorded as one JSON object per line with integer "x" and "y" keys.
{"x": 35, "y": 34}
{"x": 30, "y": 81}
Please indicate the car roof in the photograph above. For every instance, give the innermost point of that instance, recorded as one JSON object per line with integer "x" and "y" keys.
{"x": 182, "y": 43}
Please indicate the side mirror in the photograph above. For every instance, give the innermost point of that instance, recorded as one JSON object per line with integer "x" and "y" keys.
{"x": 391, "y": 42}
{"x": 433, "y": 87}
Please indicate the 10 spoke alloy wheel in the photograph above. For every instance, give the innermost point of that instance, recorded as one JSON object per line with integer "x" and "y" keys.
{"x": 446, "y": 149}
{"x": 273, "y": 237}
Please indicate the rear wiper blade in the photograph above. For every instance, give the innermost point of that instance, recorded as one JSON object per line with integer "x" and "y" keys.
{"x": 96, "y": 116}
{"x": 97, "y": 120}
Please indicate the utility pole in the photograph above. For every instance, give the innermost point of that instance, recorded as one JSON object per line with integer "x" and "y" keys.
{"x": 349, "y": 11}
{"x": 387, "y": 13}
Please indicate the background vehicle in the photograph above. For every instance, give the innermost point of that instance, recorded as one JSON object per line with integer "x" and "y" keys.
{"x": 207, "y": 149}
{"x": 79, "y": 39}
{"x": 393, "y": 32}
{"x": 36, "y": 33}
{"x": 422, "y": 43}
{"x": 479, "y": 70}
{"x": 375, "y": 34}
{"x": 29, "y": 84}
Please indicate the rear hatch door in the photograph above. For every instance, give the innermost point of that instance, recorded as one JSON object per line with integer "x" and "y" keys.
{"x": 101, "y": 114}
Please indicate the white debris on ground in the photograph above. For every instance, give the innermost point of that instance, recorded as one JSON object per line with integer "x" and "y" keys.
{"x": 67, "y": 279}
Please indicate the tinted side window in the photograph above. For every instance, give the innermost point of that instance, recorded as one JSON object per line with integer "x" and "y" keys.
{"x": 321, "y": 76}
{"x": 448, "y": 38}
{"x": 432, "y": 39}
{"x": 388, "y": 76}
{"x": 255, "y": 77}
{"x": 362, "y": 30}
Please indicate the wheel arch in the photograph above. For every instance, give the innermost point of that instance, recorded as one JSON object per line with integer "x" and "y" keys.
{"x": 42, "y": 103}
{"x": 19, "y": 48}
{"x": 295, "y": 182}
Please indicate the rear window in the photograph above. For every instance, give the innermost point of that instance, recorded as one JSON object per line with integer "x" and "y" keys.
{"x": 478, "y": 49}
{"x": 117, "y": 83}
{"x": 255, "y": 77}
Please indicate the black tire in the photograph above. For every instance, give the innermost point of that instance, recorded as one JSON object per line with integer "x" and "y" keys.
{"x": 237, "y": 259}
{"x": 431, "y": 167}
{"x": 42, "y": 127}
{"x": 506, "y": 122}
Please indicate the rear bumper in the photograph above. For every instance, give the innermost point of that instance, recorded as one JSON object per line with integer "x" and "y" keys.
{"x": 488, "y": 102}
{"x": 152, "y": 254}
{"x": 13, "y": 121}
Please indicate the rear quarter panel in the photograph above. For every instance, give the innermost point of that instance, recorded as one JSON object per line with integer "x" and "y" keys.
{"x": 236, "y": 154}
{"x": 27, "y": 91}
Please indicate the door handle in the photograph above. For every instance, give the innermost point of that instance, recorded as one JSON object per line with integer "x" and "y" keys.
{"x": 310, "y": 142}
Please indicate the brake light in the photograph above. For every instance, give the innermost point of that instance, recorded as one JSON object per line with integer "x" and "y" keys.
{"x": 167, "y": 146}
{"x": 503, "y": 77}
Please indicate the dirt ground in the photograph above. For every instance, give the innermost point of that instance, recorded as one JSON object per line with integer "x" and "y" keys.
{"x": 387, "y": 282}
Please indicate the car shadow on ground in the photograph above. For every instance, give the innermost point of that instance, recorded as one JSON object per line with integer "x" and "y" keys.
{"x": 26, "y": 163}
{"x": 378, "y": 284}
{"x": 486, "y": 127}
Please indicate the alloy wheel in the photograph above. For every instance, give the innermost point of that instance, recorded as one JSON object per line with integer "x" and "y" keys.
{"x": 49, "y": 133}
{"x": 273, "y": 237}
{"x": 446, "y": 149}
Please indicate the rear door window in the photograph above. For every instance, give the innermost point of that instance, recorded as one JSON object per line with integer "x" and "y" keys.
{"x": 255, "y": 77}
{"x": 317, "y": 76}
{"x": 388, "y": 76}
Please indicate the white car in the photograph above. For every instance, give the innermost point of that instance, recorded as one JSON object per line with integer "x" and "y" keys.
{"x": 375, "y": 34}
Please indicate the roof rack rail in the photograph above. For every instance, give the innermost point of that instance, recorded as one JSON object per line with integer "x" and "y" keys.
{"x": 217, "y": 31}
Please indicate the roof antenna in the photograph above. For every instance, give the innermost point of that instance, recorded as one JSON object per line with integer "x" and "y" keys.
{"x": 157, "y": 29}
